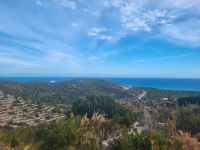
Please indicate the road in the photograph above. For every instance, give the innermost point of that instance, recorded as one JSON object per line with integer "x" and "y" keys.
{"x": 142, "y": 95}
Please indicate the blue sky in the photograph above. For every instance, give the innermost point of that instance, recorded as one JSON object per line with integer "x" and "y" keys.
{"x": 126, "y": 38}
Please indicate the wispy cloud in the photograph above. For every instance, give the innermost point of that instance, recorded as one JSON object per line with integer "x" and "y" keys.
{"x": 18, "y": 62}
{"x": 59, "y": 57}
{"x": 100, "y": 33}
{"x": 71, "y": 34}
{"x": 187, "y": 32}
{"x": 71, "y": 4}
{"x": 180, "y": 4}
{"x": 9, "y": 59}
{"x": 136, "y": 16}
{"x": 73, "y": 24}
{"x": 39, "y": 2}
{"x": 163, "y": 58}
{"x": 101, "y": 56}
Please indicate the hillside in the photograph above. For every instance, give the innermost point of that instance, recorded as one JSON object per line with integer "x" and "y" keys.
{"x": 67, "y": 90}
{"x": 95, "y": 113}
{"x": 70, "y": 90}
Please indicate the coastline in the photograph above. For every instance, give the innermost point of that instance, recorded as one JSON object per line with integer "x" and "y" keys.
{"x": 177, "y": 84}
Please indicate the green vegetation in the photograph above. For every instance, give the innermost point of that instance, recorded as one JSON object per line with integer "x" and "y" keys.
{"x": 99, "y": 116}
{"x": 83, "y": 133}
{"x": 65, "y": 92}
{"x": 72, "y": 133}
{"x": 183, "y": 101}
{"x": 105, "y": 105}
{"x": 62, "y": 92}
{"x": 60, "y": 134}
{"x": 188, "y": 119}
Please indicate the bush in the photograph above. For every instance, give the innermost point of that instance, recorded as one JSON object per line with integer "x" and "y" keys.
{"x": 188, "y": 119}
{"x": 146, "y": 141}
{"x": 58, "y": 134}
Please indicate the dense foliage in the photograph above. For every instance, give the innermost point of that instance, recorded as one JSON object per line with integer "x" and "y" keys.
{"x": 183, "y": 101}
{"x": 157, "y": 94}
{"x": 77, "y": 133}
{"x": 188, "y": 119}
{"x": 108, "y": 106}
{"x": 73, "y": 133}
{"x": 60, "y": 134}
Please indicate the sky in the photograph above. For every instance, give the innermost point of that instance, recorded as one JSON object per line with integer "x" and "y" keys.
{"x": 108, "y": 38}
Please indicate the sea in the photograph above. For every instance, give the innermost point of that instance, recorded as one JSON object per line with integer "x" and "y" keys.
{"x": 181, "y": 84}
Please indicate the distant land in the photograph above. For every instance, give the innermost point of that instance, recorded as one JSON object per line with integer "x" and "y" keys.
{"x": 185, "y": 84}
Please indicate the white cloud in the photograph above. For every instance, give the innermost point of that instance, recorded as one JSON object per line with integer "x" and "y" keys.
{"x": 7, "y": 58}
{"x": 73, "y": 24}
{"x": 95, "y": 13}
{"x": 187, "y": 32}
{"x": 164, "y": 58}
{"x": 100, "y": 33}
{"x": 131, "y": 16}
{"x": 39, "y": 2}
{"x": 17, "y": 62}
{"x": 177, "y": 20}
{"x": 102, "y": 55}
{"x": 71, "y": 4}
{"x": 59, "y": 57}
{"x": 180, "y": 4}
{"x": 93, "y": 58}
{"x": 136, "y": 16}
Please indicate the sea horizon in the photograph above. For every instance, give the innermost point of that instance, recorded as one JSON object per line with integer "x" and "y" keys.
{"x": 169, "y": 83}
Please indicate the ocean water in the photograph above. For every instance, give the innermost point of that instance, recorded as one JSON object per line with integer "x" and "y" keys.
{"x": 187, "y": 84}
